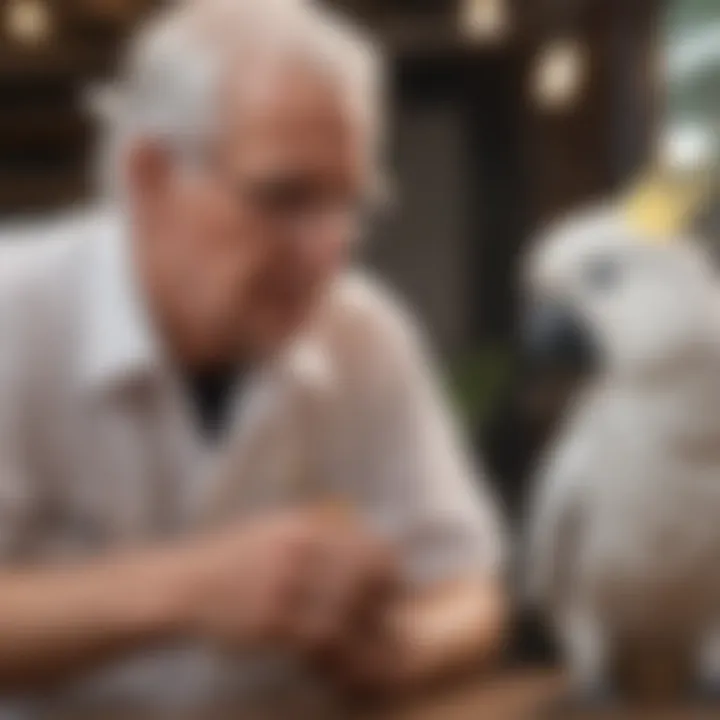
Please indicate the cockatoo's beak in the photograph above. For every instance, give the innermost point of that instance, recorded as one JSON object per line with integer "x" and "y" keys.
{"x": 556, "y": 340}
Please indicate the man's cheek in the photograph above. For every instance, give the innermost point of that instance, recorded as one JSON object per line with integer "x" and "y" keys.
{"x": 284, "y": 307}
{"x": 266, "y": 331}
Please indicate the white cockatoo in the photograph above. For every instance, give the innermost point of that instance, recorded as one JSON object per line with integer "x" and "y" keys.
{"x": 624, "y": 532}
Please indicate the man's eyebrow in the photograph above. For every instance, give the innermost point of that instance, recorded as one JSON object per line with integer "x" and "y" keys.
{"x": 281, "y": 184}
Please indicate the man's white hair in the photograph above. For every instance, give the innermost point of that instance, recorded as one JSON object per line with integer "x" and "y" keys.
{"x": 169, "y": 83}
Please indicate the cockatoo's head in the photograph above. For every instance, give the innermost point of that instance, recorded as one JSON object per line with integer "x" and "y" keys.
{"x": 598, "y": 291}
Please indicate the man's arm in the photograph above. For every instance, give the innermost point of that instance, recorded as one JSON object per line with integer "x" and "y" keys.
{"x": 54, "y": 624}
{"x": 439, "y": 511}
{"x": 431, "y": 634}
{"x": 448, "y": 627}
{"x": 241, "y": 588}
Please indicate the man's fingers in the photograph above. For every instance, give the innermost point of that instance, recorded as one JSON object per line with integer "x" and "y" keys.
{"x": 347, "y": 576}
{"x": 334, "y": 586}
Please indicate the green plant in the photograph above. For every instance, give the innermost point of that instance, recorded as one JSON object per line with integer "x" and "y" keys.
{"x": 477, "y": 378}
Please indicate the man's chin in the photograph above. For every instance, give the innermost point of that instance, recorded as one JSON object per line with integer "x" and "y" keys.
{"x": 273, "y": 339}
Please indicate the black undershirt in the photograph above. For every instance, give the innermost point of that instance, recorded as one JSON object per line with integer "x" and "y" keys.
{"x": 212, "y": 393}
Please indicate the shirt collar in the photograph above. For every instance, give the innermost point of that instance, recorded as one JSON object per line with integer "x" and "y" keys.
{"x": 120, "y": 344}
{"x": 309, "y": 364}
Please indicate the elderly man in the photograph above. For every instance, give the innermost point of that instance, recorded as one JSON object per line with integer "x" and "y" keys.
{"x": 218, "y": 444}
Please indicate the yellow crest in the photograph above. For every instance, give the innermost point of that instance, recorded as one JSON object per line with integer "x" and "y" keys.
{"x": 662, "y": 206}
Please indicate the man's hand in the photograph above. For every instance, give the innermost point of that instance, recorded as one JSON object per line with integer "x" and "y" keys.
{"x": 298, "y": 581}
{"x": 295, "y": 581}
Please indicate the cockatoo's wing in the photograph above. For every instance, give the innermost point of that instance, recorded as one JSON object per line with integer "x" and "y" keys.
{"x": 558, "y": 510}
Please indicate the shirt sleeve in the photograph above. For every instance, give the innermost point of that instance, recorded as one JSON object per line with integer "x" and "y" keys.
{"x": 428, "y": 495}
{"x": 15, "y": 511}
{"x": 17, "y": 489}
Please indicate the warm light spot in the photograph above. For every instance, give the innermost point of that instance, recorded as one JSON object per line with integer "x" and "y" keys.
{"x": 485, "y": 20}
{"x": 29, "y": 22}
{"x": 560, "y": 74}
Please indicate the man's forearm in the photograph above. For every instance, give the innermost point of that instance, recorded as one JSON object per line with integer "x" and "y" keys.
{"x": 450, "y": 627}
{"x": 238, "y": 587}
{"x": 56, "y": 623}
{"x": 424, "y": 636}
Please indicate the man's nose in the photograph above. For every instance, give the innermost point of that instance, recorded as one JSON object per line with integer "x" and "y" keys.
{"x": 556, "y": 338}
{"x": 328, "y": 224}
{"x": 322, "y": 238}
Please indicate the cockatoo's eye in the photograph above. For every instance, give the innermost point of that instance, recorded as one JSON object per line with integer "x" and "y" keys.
{"x": 602, "y": 274}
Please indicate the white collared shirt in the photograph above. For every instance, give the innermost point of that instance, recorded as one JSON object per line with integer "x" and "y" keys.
{"x": 98, "y": 450}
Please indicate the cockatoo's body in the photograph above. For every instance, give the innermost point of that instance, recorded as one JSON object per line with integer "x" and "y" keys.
{"x": 625, "y": 542}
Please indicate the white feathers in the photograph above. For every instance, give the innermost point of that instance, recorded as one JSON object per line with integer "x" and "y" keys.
{"x": 625, "y": 535}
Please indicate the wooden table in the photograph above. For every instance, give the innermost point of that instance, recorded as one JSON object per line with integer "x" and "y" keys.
{"x": 532, "y": 695}
{"x": 517, "y": 695}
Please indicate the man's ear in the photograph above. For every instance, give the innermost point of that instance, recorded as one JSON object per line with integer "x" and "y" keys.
{"x": 148, "y": 169}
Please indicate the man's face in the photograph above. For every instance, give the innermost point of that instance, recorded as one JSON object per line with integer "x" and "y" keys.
{"x": 251, "y": 236}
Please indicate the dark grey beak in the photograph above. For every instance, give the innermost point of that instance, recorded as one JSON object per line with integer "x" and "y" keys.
{"x": 557, "y": 340}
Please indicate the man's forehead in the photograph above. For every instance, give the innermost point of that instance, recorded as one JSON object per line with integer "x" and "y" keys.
{"x": 286, "y": 112}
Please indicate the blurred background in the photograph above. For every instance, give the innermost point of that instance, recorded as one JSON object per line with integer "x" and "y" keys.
{"x": 505, "y": 114}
